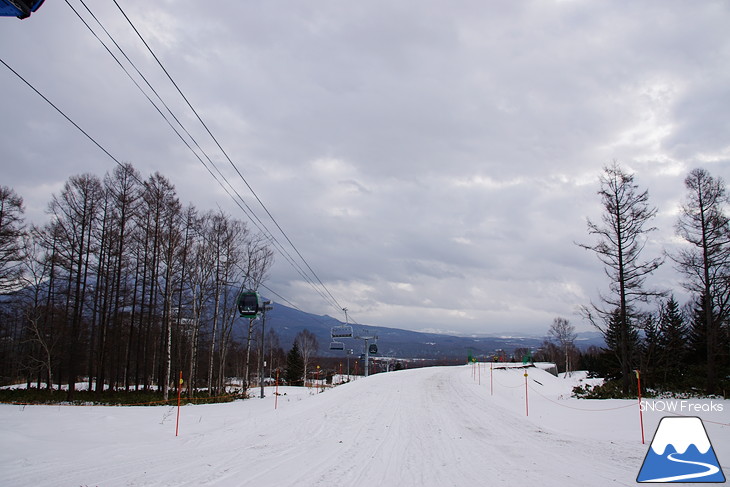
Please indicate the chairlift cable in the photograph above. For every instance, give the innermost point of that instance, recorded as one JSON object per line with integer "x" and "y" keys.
{"x": 248, "y": 211}
{"x": 291, "y": 305}
{"x": 93, "y": 140}
{"x": 276, "y": 223}
{"x": 63, "y": 114}
{"x": 266, "y": 233}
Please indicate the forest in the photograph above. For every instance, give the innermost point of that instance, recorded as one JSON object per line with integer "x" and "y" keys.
{"x": 124, "y": 287}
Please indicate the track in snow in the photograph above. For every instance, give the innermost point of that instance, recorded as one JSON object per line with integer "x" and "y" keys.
{"x": 423, "y": 427}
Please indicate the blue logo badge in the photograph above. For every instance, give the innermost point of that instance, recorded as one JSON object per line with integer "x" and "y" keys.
{"x": 681, "y": 452}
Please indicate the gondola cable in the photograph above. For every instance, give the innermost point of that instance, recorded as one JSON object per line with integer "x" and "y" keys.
{"x": 248, "y": 211}
{"x": 276, "y": 223}
{"x": 270, "y": 236}
{"x": 85, "y": 133}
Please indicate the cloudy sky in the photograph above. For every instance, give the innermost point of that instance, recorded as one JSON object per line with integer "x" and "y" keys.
{"x": 433, "y": 161}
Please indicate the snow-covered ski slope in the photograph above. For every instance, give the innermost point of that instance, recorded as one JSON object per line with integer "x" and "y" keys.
{"x": 437, "y": 426}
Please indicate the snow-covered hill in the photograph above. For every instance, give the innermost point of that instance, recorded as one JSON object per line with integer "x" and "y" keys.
{"x": 437, "y": 427}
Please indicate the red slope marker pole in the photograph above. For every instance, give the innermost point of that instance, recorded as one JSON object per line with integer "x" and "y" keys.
{"x": 491, "y": 378}
{"x": 641, "y": 413}
{"x": 179, "y": 387}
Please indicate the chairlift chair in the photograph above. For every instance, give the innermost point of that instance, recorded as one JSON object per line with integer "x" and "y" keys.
{"x": 341, "y": 331}
{"x": 337, "y": 346}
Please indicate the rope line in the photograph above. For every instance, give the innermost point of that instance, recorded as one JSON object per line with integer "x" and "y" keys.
{"x": 149, "y": 403}
{"x": 633, "y": 404}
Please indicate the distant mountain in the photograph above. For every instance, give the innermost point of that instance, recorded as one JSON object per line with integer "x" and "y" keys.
{"x": 394, "y": 342}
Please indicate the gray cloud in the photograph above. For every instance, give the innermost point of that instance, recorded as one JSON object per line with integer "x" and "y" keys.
{"x": 434, "y": 162}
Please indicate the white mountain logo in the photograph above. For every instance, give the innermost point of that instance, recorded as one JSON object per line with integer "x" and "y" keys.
{"x": 681, "y": 452}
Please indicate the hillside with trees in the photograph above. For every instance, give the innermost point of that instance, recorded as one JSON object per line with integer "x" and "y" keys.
{"x": 645, "y": 330}
{"x": 122, "y": 286}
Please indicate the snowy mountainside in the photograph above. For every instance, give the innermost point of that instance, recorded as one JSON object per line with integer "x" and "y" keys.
{"x": 394, "y": 342}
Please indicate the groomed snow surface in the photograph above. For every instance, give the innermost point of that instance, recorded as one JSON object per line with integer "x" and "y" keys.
{"x": 438, "y": 426}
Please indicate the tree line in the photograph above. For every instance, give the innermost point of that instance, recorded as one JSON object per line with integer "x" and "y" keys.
{"x": 646, "y": 331}
{"x": 124, "y": 286}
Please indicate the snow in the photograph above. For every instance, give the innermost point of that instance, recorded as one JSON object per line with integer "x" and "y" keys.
{"x": 438, "y": 426}
{"x": 681, "y": 433}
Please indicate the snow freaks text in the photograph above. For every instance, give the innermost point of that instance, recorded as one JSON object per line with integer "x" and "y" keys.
{"x": 680, "y": 406}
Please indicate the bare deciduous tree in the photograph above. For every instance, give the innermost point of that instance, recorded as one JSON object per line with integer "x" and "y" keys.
{"x": 123, "y": 286}
{"x": 75, "y": 216}
{"x": 308, "y": 346}
{"x": 564, "y": 333}
{"x": 37, "y": 286}
{"x": 621, "y": 237}
{"x": 705, "y": 263}
{"x": 11, "y": 232}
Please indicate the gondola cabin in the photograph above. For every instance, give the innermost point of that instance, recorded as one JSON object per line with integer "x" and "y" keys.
{"x": 373, "y": 349}
{"x": 250, "y": 304}
{"x": 19, "y": 8}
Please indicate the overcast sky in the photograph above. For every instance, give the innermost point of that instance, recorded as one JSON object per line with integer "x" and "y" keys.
{"x": 434, "y": 161}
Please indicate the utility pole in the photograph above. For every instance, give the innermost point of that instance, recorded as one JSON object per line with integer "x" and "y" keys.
{"x": 349, "y": 352}
{"x": 267, "y": 307}
{"x": 367, "y": 337}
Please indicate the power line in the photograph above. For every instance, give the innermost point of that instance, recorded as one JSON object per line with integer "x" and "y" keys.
{"x": 238, "y": 199}
{"x": 115, "y": 159}
{"x": 92, "y": 139}
{"x": 248, "y": 211}
{"x": 111, "y": 156}
{"x": 336, "y": 303}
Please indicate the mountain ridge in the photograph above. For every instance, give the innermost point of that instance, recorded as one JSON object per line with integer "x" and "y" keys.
{"x": 287, "y": 322}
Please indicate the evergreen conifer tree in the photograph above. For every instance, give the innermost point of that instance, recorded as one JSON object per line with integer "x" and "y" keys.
{"x": 672, "y": 342}
{"x": 294, "y": 372}
{"x": 649, "y": 348}
{"x": 697, "y": 332}
{"x": 615, "y": 330}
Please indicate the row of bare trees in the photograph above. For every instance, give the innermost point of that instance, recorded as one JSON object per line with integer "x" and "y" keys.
{"x": 123, "y": 286}
{"x": 703, "y": 260}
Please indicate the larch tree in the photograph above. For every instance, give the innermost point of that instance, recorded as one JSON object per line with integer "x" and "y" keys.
{"x": 76, "y": 212}
{"x": 12, "y": 228}
{"x": 123, "y": 191}
{"x": 621, "y": 237}
{"x": 37, "y": 285}
{"x": 705, "y": 261}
